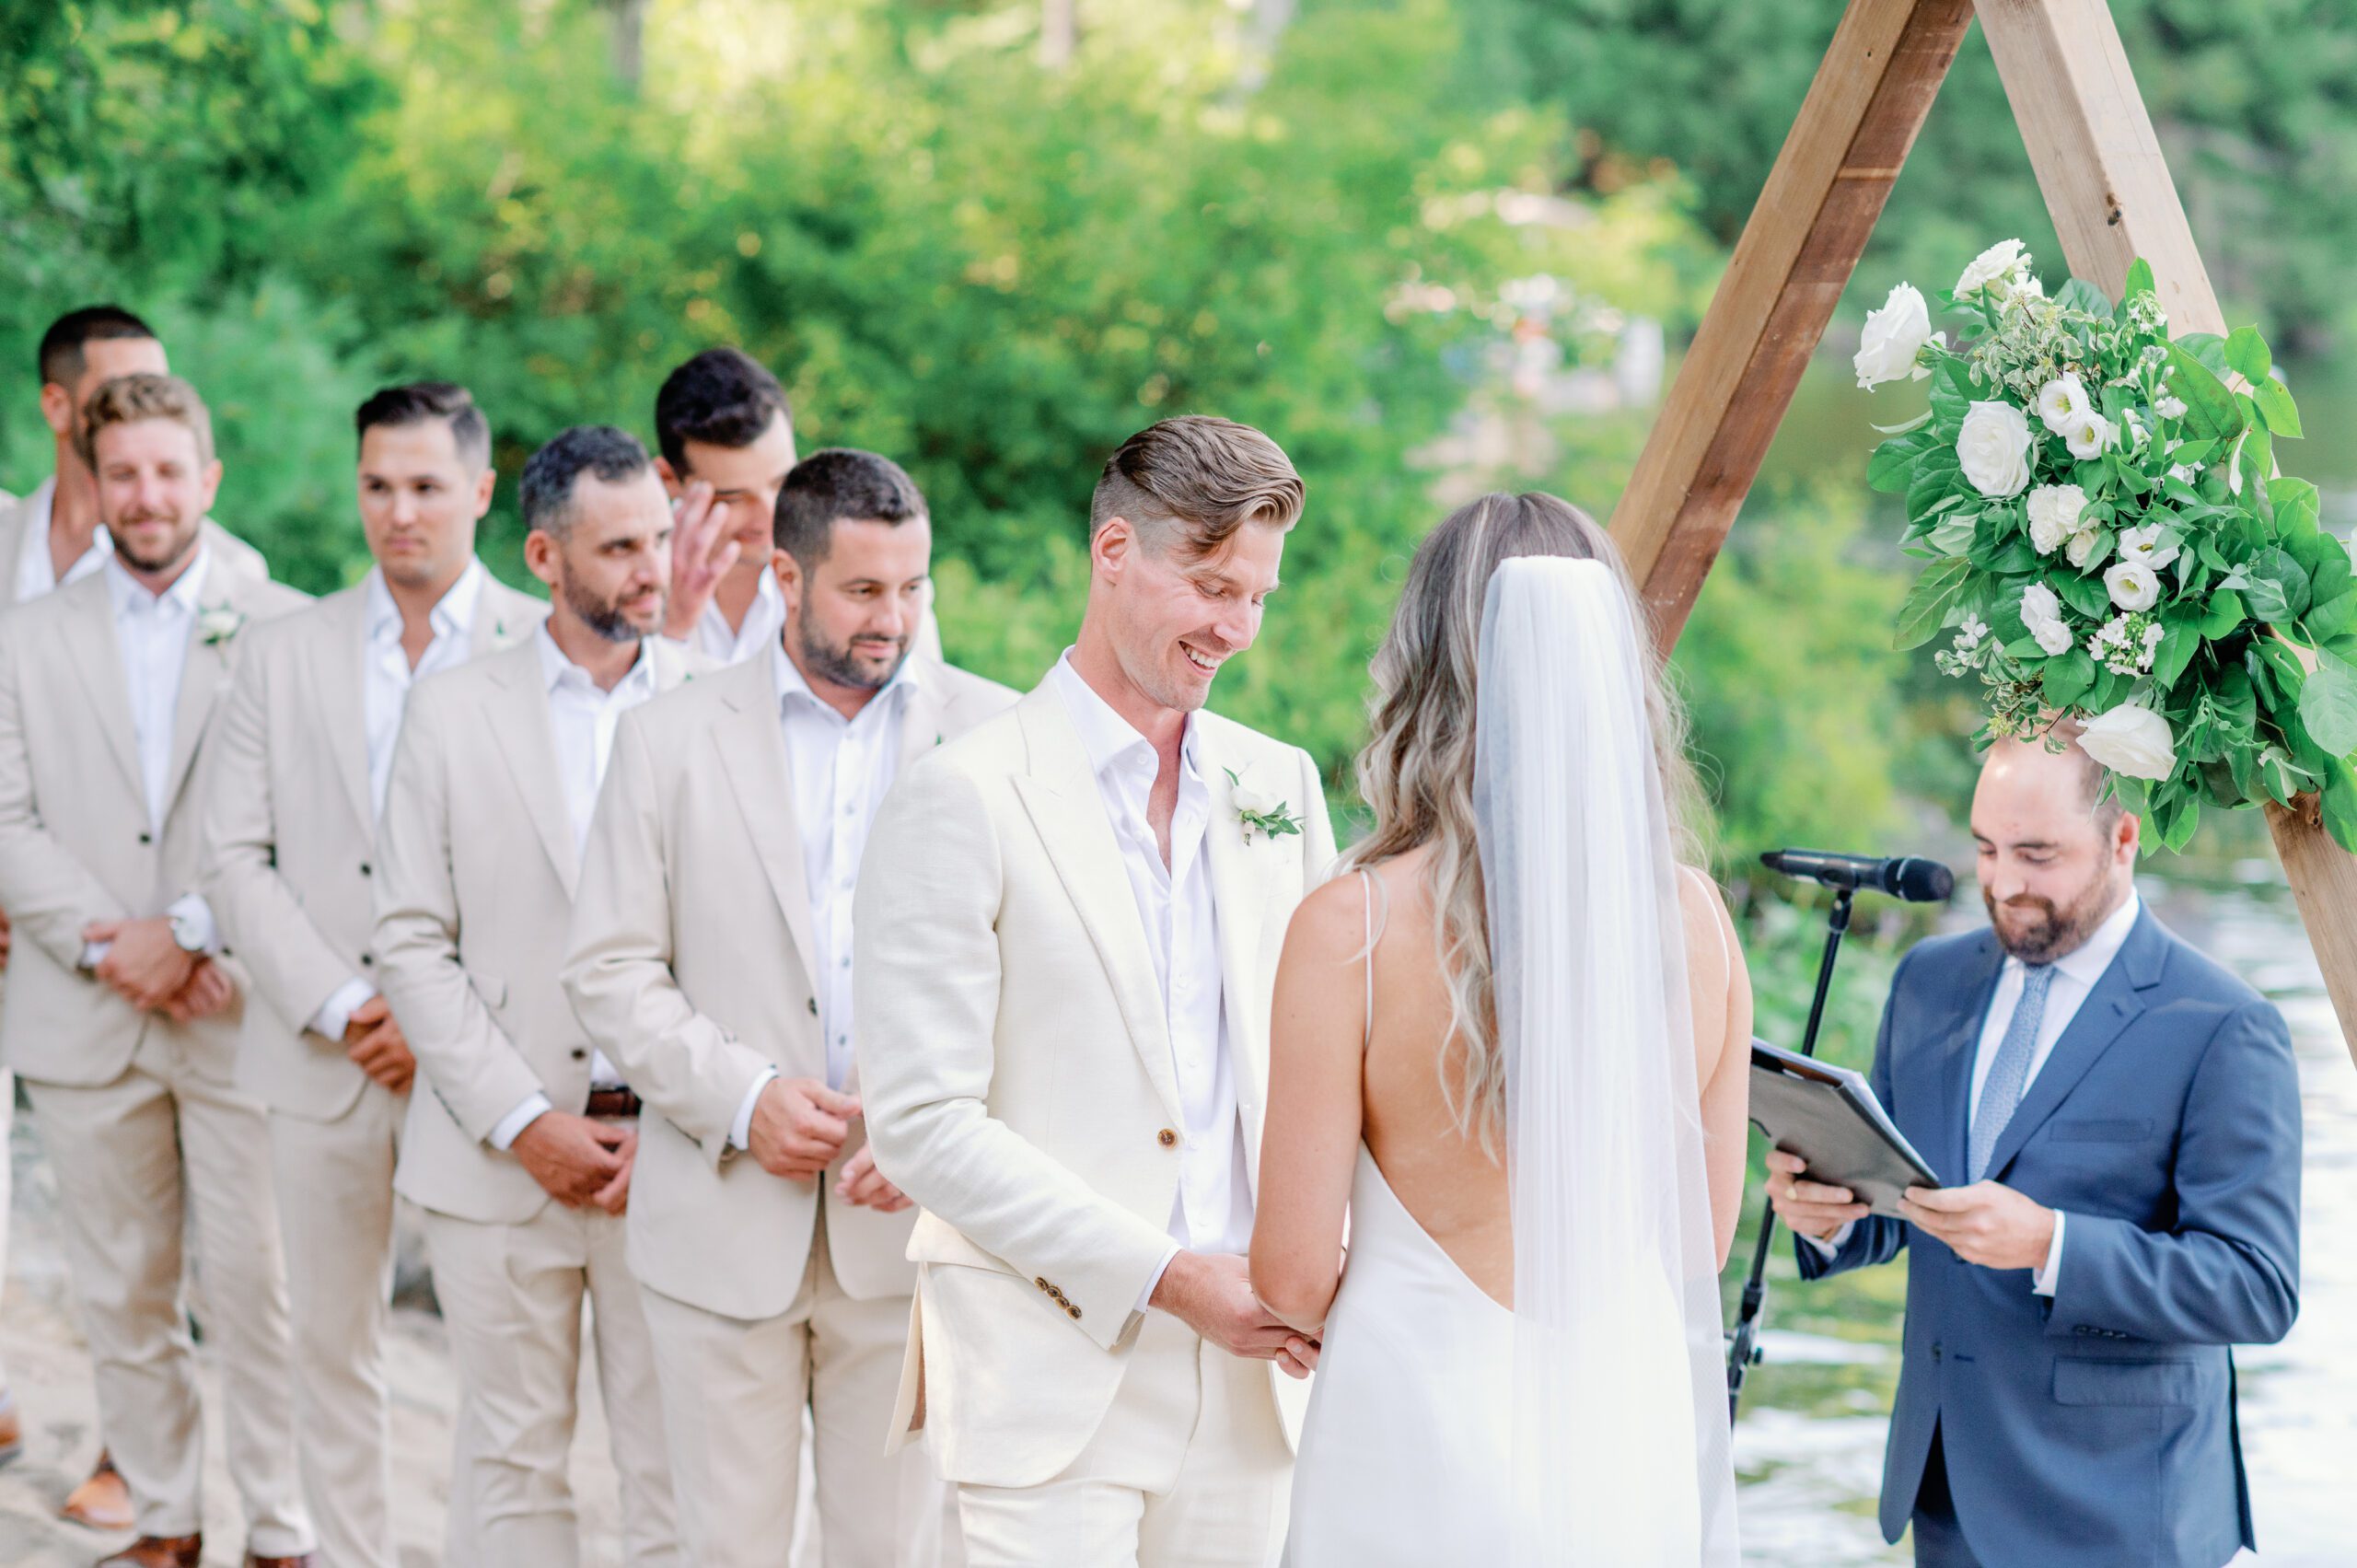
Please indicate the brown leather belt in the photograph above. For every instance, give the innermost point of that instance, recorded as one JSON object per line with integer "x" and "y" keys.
{"x": 612, "y": 1105}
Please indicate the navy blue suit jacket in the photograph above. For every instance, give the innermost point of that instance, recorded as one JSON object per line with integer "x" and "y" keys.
{"x": 2095, "y": 1427}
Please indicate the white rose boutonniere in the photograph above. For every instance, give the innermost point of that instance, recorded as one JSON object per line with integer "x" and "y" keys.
{"x": 1260, "y": 812}
{"x": 218, "y": 623}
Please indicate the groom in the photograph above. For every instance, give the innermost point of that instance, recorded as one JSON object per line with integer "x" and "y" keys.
{"x": 2127, "y": 1117}
{"x": 1066, "y": 933}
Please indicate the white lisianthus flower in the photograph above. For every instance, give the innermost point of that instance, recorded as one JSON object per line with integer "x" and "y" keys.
{"x": 2133, "y": 585}
{"x": 2081, "y": 551}
{"x": 2169, "y": 407}
{"x": 2091, "y": 435}
{"x": 1893, "y": 337}
{"x": 2002, "y": 264}
{"x": 2131, "y": 739}
{"x": 2042, "y": 614}
{"x": 2149, "y": 545}
{"x": 2029, "y": 286}
{"x": 2054, "y": 515}
{"x": 1250, "y": 802}
{"x": 1993, "y": 448}
{"x": 2063, "y": 402}
{"x": 2185, "y": 473}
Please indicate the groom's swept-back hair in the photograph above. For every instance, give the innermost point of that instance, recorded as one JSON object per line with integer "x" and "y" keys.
{"x": 840, "y": 484}
{"x": 1188, "y": 484}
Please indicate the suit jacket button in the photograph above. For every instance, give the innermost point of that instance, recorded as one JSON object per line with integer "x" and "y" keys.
{"x": 578, "y": 1053}
{"x": 367, "y": 959}
{"x": 814, "y": 1007}
{"x": 146, "y": 838}
{"x": 1075, "y": 1313}
{"x": 1167, "y": 1138}
{"x": 363, "y": 869}
{"x": 1043, "y": 1283}
{"x": 1936, "y": 1350}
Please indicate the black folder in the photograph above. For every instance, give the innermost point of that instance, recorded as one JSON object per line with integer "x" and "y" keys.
{"x": 1829, "y": 1117}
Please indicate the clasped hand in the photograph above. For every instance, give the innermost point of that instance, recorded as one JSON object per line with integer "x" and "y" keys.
{"x": 153, "y": 973}
{"x": 799, "y": 1128}
{"x": 375, "y": 1045}
{"x": 579, "y": 1159}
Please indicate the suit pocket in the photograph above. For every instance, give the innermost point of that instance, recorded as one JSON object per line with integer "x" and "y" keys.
{"x": 2098, "y": 1130}
{"x": 2086, "y": 1382}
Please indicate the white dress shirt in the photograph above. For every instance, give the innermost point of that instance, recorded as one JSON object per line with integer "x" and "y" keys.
{"x": 841, "y": 769}
{"x": 582, "y": 718}
{"x": 1212, "y": 1212}
{"x": 35, "y": 572}
{"x": 764, "y": 619}
{"x": 153, "y": 631}
{"x": 2076, "y": 974}
{"x": 386, "y": 678}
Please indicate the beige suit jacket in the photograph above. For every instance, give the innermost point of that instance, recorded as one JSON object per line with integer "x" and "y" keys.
{"x": 75, "y": 842}
{"x": 690, "y": 967}
{"x": 476, "y": 890}
{"x": 290, "y": 832}
{"x": 230, "y": 554}
{"x": 1015, "y": 1057}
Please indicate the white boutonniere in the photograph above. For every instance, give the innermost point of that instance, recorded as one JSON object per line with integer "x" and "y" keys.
{"x": 1258, "y": 811}
{"x": 218, "y": 623}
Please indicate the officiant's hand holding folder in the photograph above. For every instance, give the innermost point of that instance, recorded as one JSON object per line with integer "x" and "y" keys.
{"x": 1829, "y": 1117}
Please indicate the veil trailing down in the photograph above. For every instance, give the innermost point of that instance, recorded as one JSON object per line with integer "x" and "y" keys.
{"x": 1618, "y": 1439}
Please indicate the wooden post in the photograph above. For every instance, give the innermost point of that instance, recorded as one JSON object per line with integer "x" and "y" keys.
{"x": 1887, "y": 60}
{"x": 2100, "y": 168}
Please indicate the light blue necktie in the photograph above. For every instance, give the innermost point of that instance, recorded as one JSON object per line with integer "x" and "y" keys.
{"x": 2003, "y": 1091}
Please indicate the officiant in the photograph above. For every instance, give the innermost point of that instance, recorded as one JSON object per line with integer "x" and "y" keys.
{"x": 2116, "y": 1121}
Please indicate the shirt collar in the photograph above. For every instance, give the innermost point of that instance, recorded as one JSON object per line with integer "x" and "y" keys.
{"x": 787, "y": 676}
{"x": 1108, "y": 737}
{"x": 2088, "y": 963}
{"x": 453, "y": 615}
{"x": 128, "y": 594}
{"x": 558, "y": 670}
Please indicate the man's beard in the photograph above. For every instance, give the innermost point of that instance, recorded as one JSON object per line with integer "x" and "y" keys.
{"x": 840, "y": 667}
{"x": 604, "y": 617}
{"x": 175, "y": 552}
{"x": 2060, "y": 931}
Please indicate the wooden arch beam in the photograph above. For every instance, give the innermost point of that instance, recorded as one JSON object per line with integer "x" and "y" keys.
{"x": 2100, "y": 168}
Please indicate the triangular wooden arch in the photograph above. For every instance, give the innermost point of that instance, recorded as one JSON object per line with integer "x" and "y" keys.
{"x": 2108, "y": 187}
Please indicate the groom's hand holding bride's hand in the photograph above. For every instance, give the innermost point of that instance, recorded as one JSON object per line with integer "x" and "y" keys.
{"x": 798, "y": 1127}
{"x": 1211, "y": 1294}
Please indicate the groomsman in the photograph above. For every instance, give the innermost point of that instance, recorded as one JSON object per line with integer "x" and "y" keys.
{"x": 123, "y": 1008}
{"x": 711, "y": 956}
{"x": 294, "y": 781}
{"x": 522, "y": 1154}
{"x": 47, "y": 538}
{"x": 727, "y": 438}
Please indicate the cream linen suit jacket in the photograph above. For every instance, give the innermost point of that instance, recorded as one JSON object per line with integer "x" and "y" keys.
{"x": 230, "y": 554}
{"x": 690, "y": 967}
{"x": 477, "y": 841}
{"x": 1015, "y": 1060}
{"x": 289, "y": 834}
{"x": 75, "y": 842}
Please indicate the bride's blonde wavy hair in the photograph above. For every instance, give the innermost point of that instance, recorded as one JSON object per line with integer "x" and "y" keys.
{"x": 1416, "y": 771}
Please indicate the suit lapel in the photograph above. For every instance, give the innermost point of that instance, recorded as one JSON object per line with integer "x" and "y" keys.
{"x": 922, "y": 722}
{"x": 1061, "y": 794}
{"x": 2110, "y": 1007}
{"x": 503, "y": 619}
{"x": 97, "y": 658}
{"x": 339, "y": 684}
{"x": 526, "y": 739}
{"x": 752, "y": 752}
{"x": 202, "y": 673}
{"x": 1951, "y": 1060}
{"x": 1238, "y": 893}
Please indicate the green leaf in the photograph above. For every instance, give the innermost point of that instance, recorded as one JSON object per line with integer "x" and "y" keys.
{"x": 2178, "y": 830}
{"x": 2080, "y": 295}
{"x": 2067, "y": 678}
{"x": 2341, "y": 804}
{"x": 1929, "y": 601}
{"x": 2210, "y": 409}
{"x": 2247, "y": 354}
{"x": 2139, "y": 281}
{"x": 2276, "y": 407}
{"x": 2179, "y": 644}
{"x": 2282, "y": 665}
{"x": 1892, "y": 468}
{"x": 1910, "y": 427}
{"x": 2278, "y": 592}
{"x": 2328, "y": 705}
{"x": 2086, "y": 594}
{"x": 2295, "y": 501}
{"x": 2223, "y": 614}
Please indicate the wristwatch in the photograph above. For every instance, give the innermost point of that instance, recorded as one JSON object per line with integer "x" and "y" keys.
{"x": 188, "y": 932}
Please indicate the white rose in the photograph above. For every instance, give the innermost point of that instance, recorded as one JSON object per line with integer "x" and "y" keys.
{"x": 2131, "y": 739}
{"x": 1250, "y": 802}
{"x": 2062, "y": 403}
{"x": 2000, "y": 264}
{"x": 2042, "y": 613}
{"x": 2147, "y": 544}
{"x": 1894, "y": 335}
{"x": 2090, "y": 435}
{"x": 2054, "y": 515}
{"x": 1993, "y": 448}
{"x": 2134, "y": 586}
{"x": 2081, "y": 551}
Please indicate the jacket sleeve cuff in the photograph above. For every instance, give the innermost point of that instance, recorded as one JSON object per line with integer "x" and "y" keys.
{"x": 511, "y": 1126}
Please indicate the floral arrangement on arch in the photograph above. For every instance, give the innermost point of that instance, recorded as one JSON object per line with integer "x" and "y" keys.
{"x": 2108, "y": 542}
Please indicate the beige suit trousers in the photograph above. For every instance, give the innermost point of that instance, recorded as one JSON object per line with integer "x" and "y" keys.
{"x": 335, "y": 1207}
{"x": 133, "y": 1159}
{"x": 512, "y": 1297}
{"x": 735, "y": 1393}
{"x": 1190, "y": 1467}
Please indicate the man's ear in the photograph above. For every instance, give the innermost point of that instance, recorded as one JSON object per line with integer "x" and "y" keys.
{"x": 672, "y": 482}
{"x": 486, "y": 483}
{"x": 1111, "y": 547}
{"x": 540, "y": 556}
{"x": 788, "y": 573}
{"x": 56, "y": 408}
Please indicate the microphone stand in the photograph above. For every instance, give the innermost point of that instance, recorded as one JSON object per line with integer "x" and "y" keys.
{"x": 1742, "y": 1340}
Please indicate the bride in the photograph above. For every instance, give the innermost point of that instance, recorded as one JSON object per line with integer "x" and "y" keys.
{"x": 1510, "y": 1054}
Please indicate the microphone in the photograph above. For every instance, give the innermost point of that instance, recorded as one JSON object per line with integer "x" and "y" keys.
{"x": 1909, "y": 877}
